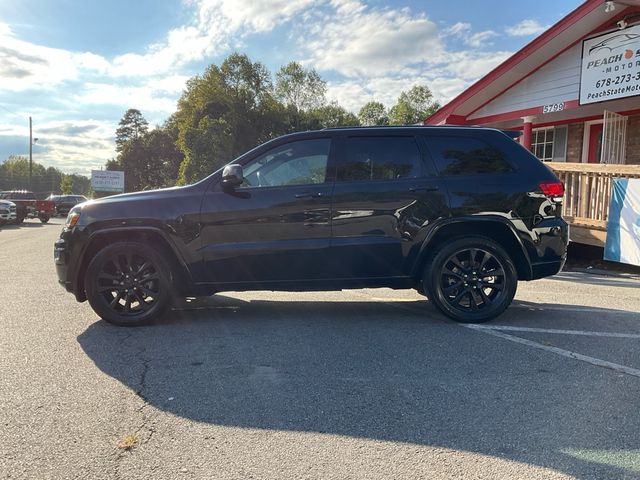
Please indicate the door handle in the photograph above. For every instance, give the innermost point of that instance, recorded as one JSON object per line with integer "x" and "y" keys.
{"x": 424, "y": 188}
{"x": 309, "y": 195}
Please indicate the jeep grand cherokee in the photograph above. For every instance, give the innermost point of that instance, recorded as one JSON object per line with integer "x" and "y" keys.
{"x": 458, "y": 213}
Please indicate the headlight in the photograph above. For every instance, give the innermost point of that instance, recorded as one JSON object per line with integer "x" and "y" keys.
{"x": 72, "y": 219}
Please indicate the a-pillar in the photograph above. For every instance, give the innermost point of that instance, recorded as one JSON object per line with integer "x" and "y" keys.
{"x": 527, "y": 132}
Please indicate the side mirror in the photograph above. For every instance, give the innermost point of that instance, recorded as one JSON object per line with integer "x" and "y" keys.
{"x": 232, "y": 176}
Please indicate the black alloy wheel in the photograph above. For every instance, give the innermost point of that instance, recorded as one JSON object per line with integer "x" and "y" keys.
{"x": 128, "y": 284}
{"x": 471, "y": 280}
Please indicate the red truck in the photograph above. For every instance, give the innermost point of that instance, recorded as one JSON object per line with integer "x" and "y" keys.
{"x": 27, "y": 206}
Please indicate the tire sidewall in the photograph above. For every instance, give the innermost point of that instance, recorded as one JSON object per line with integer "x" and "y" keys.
{"x": 434, "y": 267}
{"x": 99, "y": 304}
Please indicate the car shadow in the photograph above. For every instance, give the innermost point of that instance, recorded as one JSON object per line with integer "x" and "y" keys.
{"x": 378, "y": 370}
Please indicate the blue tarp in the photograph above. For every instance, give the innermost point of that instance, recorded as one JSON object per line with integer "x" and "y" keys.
{"x": 623, "y": 226}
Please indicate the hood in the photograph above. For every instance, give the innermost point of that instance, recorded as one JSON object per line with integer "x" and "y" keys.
{"x": 140, "y": 196}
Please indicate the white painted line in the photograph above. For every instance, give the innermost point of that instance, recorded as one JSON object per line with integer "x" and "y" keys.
{"x": 560, "y": 351}
{"x": 396, "y": 300}
{"x": 576, "y": 309}
{"x": 560, "y": 332}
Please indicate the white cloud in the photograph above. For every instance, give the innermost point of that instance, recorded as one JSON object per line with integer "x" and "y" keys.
{"x": 74, "y": 146}
{"x": 462, "y": 30}
{"x": 367, "y": 52}
{"x": 481, "y": 39}
{"x": 25, "y": 65}
{"x": 215, "y": 24}
{"x": 357, "y": 40}
{"x": 472, "y": 65}
{"x": 458, "y": 28}
{"x": 142, "y": 97}
{"x": 526, "y": 28}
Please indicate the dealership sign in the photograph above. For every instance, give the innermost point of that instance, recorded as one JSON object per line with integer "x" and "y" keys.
{"x": 107, "y": 181}
{"x": 610, "y": 66}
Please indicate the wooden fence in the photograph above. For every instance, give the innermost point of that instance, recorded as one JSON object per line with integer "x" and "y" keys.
{"x": 588, "y": 191}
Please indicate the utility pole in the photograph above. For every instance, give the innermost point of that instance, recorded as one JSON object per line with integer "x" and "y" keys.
{"x": 30, "y": 153}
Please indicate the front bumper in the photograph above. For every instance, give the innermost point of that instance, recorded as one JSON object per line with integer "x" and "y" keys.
{"x": 8, "y": 217}
{"x": 61, "y": 260}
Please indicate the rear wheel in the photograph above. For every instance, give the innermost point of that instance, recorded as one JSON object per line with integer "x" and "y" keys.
{"x": 128, "y": 284}
{"x": 471, "y": 279}
{"x": 44, "y": 218}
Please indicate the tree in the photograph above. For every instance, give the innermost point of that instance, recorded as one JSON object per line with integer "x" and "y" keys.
{"x": 132, "y": 126}
{"x": 373, "y": 114}
{"x": 66, "y": 184}
{"x": 14, "y": 174}
{"x": 225, "y": 112}
{"x": 300, "y": 88}
{"x": 332, "y": 115}
{"x": 413, "y": 106}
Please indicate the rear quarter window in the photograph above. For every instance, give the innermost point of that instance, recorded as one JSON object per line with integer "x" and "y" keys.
{"x": 455, "y": 155}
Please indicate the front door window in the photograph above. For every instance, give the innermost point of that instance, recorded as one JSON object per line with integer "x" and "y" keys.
{"x": 296, "y": 163}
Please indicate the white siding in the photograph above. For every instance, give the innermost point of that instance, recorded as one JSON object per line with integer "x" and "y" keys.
{"x": 558, "y": 81}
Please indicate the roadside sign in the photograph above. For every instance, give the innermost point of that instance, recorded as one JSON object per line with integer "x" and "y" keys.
{"x": 610, "y": 66}
{"x": 107, "y": 181}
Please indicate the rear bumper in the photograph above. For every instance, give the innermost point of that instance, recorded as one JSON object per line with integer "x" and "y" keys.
{"x": 546, "y": 269}
{"x": 548, "y": 251}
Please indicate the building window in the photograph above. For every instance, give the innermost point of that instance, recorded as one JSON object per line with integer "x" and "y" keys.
{"x": 542, "y": 143}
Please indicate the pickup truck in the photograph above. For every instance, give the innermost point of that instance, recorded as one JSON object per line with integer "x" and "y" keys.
{"x": 27, "y": 206}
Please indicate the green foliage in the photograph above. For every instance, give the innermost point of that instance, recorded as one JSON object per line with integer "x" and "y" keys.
{"x": 231, "y": 108}
{"x": 14, "y": 175}
{"x": 300, "y": 88}
{"x": 66, "y": 184}
{"x": 332, "y": 115}
{"x": 132, "y": 126}
{"x": 225, "y": 112}
{"x": 373, "y": 114}
{"x": 413, "y": 106}
{"x": 149, "y": 159}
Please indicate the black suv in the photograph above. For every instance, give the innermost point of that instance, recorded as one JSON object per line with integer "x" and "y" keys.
{"x": 458, "y": 213}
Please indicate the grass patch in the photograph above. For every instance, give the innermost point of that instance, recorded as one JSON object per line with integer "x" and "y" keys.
{"x": 128, "y": 442}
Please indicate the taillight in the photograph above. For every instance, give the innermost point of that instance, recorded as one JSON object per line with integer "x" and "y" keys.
{"x": 555, "y": 189}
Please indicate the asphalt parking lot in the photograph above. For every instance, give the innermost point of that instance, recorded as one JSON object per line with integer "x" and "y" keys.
{"x": 364, "y": 384}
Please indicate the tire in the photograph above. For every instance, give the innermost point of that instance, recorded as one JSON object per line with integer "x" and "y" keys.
{"x": 44, "y": 218}
{"x": 128, "y": 284}
{"x": 458, "y": 283}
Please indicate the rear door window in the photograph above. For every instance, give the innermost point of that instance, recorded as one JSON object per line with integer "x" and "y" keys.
{"x": 379, "y": 158}
{"x": 454, "y": 155}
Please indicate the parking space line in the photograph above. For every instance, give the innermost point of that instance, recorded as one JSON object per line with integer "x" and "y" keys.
{"x": 577, "y": 309}
{"x": 560, "y": 332}
{"x": 559, "y": 351}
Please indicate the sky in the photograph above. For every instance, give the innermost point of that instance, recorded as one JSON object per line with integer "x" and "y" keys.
{"x": 75, "y": 66}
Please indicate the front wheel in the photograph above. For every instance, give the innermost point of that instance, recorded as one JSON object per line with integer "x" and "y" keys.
{"x": 128, "y": 284}
{"x": 471, "y": 280}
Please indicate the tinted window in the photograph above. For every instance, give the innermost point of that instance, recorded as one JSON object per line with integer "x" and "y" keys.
{"x": 295, "y": 163}
{"x": 466, "y": 156}
{"x": 380, "y": 158}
